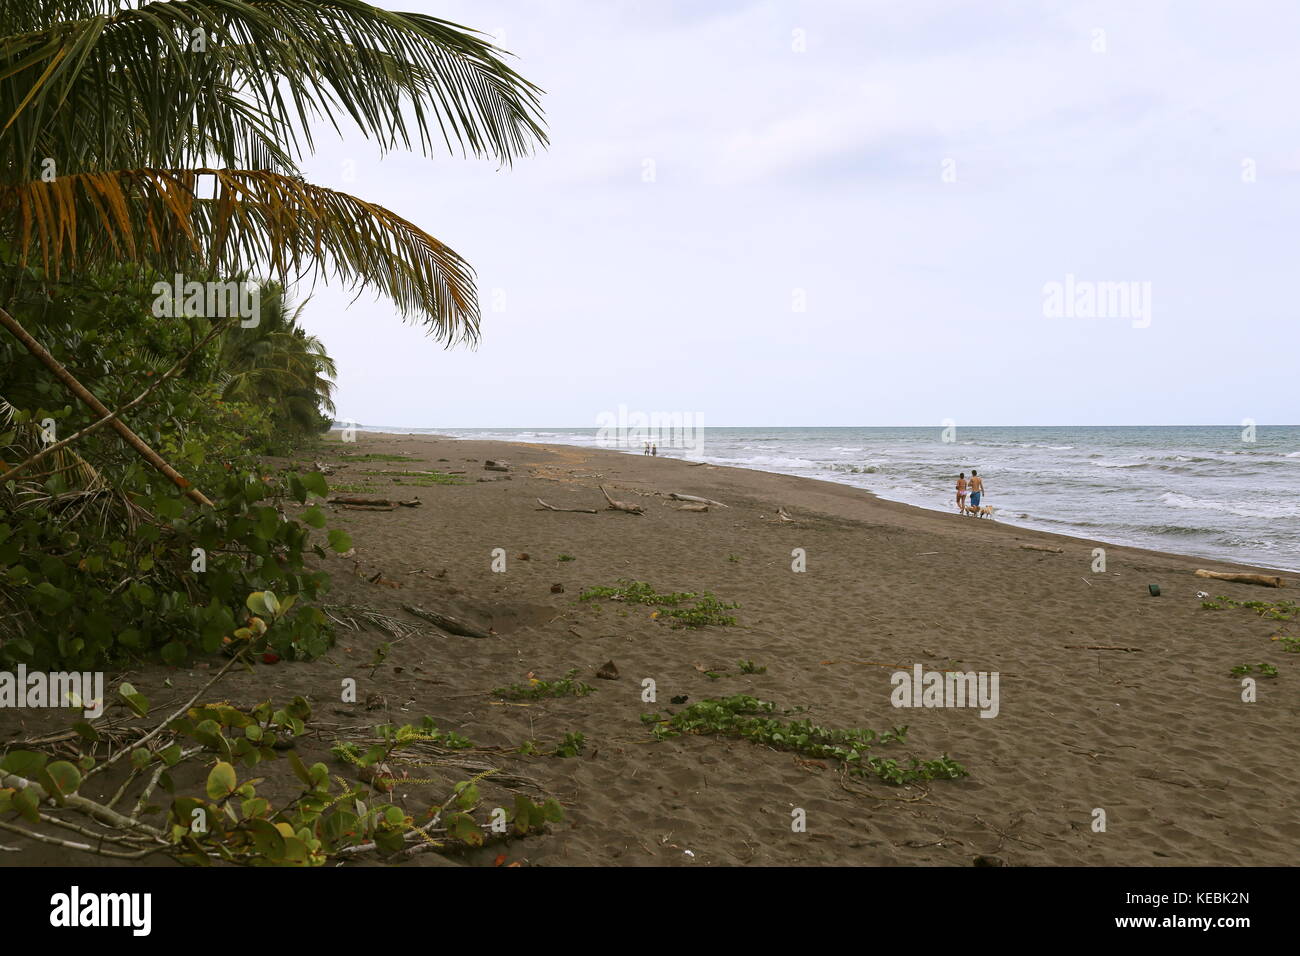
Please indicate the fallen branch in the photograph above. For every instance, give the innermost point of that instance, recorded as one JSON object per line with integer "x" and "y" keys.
{"x": 99, "y": 408}
{"x": 621, "y": 505}
{"x": 1265, "y": 580}
{"x": 449, "y": 624}
{"x": 581, "y": 511}
{"x": 1041, "y": 547}
{"x": 698, "y": 500}
{"x": 1099, "y": 647}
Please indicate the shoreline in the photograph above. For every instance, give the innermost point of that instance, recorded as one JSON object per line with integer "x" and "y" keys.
{"x": 1097, "y": 681}
{"x": 1211, "y": 563}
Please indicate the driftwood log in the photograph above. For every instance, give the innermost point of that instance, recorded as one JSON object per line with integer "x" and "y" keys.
{"x": 695, "y": 498}
{"x": 783, "y": 514}
{"x": 1042, "y": 547}
{"x": 621, "y": 505}
{"x": 581, "y": 511}
{"x": 1265, "y": 580}
{"x": 449, "y": 624}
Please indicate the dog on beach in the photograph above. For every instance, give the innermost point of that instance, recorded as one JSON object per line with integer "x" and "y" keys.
{"x": 983, "y": 511}
{"x": 986, "y": 511}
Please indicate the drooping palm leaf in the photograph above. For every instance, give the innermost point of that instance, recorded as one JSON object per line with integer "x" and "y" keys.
{"x": 225, "y": 221}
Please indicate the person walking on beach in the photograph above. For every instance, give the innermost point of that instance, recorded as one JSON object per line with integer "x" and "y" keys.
{"x": 961, "y": 491}
{"x": 976, "y": 488}
{"x": 647, "y": 449}
{"x": 654, "y": 450}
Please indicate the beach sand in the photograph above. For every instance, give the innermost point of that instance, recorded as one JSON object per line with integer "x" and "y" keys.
{"x": 1156, "y": 736}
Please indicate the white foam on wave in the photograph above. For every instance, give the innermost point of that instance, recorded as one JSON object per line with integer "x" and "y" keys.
{"x": 1238, "y": 508}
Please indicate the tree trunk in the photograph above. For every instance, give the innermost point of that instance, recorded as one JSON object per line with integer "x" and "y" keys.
{"x": 99, "y": 408}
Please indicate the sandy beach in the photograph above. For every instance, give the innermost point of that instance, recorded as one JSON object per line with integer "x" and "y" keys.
{"x": 1151, "y": 730}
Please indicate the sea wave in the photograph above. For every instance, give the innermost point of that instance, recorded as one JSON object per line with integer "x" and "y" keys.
{"x": 1240, "y": 509}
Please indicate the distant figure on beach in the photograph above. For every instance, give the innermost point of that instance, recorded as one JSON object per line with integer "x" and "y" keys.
{"x": 961, "y": 491}
{"x": 654, "y": 450}
{"x": 647, "y": 449}
{"x": 976, "y": 488}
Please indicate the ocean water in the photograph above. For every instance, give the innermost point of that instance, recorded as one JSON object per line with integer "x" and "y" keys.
{"x": 1198, "y": 490}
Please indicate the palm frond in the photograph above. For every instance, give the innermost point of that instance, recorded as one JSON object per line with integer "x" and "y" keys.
{"x": 102, "y": 88}
{"x": 227, "y": 220}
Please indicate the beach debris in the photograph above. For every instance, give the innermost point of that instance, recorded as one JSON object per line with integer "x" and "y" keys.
{"x": 988, "y": 861}
{"x": 413, "y": 503}
{"x": 621, "y": 505}
{"x": 1154, "y": 589}
{"x": 695, "y": 498}
{"x": 680, "y": 699}
{"x": 522, "y": 556}
{"x": 491, "y": 465}
{"x": 359, "y": 501}
{"x": 323, "y": 468}
{"x": 375, "y": 702}
{"x": 1100, "y": 647}
{"x": 557, "y": 588}
{"x": 378, "y": 578}
{"x": 582, "y": 511}
{"x": 449, "y": 624}
{"x": 1264, "y": 580}
{"x": 1202, "y": 594}
{"x": 783, "y": 514}
{"x": 692, "y": 507}
{"x": 607, "y": 671}
{"x": 1041, "y": 547}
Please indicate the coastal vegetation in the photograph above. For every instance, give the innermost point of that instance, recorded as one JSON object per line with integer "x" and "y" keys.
{"x": 154, "y": 220}
{"x": 149, "y": 151}
{"x": 707, "y": 610}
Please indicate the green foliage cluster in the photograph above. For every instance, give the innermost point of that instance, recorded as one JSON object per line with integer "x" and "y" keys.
{"x": 102, "y": 559}
{"x": 707, "y": 609}
{"x": 744, "y": 716}
{"x": 231, "y": 822}
{"x": 1265, "y": 670}
{"x": 1272, "y": 610}
{"x": 536, "y": 689}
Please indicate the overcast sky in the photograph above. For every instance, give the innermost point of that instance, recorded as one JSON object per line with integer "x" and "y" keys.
{"x": 912, "y": 174}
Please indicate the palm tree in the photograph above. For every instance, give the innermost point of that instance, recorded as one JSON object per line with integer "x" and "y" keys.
{"x": 166, "y": 134}
{"x": 278, "y": 363}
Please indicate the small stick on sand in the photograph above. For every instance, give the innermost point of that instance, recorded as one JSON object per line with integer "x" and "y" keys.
{"x": 1265, "y": 580}
{"x": 695, "y": 498}
{"x": 621, "y": 505}
{"x": 581, "y": 511}
{"x": 1042, "y": 547}
{"x": 1099, "y": 647}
